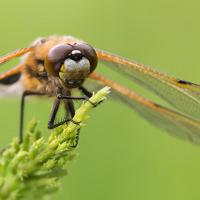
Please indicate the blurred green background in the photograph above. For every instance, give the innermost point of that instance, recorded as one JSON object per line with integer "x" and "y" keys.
{"x": 121, "y": 156}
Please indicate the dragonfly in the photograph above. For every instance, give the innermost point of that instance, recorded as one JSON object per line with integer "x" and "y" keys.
{"x": 56, "y": 66}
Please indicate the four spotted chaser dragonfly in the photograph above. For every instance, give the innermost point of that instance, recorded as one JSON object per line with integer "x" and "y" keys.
{"x": 56, "y": 65}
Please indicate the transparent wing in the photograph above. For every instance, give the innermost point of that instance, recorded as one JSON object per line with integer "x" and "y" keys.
{"x": 183, "y": 95}
{"x": 172, "y": 122}
{"x": 9, "y": 80}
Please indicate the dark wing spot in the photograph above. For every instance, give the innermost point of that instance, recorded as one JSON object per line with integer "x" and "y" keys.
{"x": 156, "y": 105}
{"x": 10, "y": 79}
{"x": 184, "y": 82}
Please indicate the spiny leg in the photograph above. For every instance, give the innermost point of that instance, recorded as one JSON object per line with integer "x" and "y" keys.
{"x": 52, "y": 124}
{"x": 68, "y": 97}
{"x": 88, "y": 94}
{"x": 69, "y": 108}
{"x": 85, "y": 91}
{"x": 22, "y": 106}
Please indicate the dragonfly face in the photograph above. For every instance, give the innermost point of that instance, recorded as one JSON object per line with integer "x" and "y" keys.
{"x": 56, "y": 65}
{"x": 71, "y": 63}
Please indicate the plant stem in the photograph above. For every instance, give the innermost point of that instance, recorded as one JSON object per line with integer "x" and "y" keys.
{"x": 33, "y": 169}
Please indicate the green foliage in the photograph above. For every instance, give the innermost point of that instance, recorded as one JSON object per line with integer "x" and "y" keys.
{"x": 33, "y": 169}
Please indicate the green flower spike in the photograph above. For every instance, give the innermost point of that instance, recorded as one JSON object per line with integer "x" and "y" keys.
{"x": 33, "y": 169}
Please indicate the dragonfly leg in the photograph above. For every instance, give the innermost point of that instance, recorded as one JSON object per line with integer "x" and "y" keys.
{"x": 69, "y": 107}
{"x": 85, "y": 91}
{"x": 22, "y": 106}
{"x": 52, "y": 124}
{"x": 88, "y": 94}
{"x": 62, "y": 97}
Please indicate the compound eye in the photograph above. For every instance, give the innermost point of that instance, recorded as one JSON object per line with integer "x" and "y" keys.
{"x": 89, "y": 53}
{"x": 56, "y": 56}
{"x": 59, "y": 52}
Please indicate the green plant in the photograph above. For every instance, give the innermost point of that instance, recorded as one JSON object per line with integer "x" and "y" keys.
{"x": 33, "y": 169}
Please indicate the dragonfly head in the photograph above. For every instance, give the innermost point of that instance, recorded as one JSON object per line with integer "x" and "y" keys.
{"x": 71, "y": 63}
